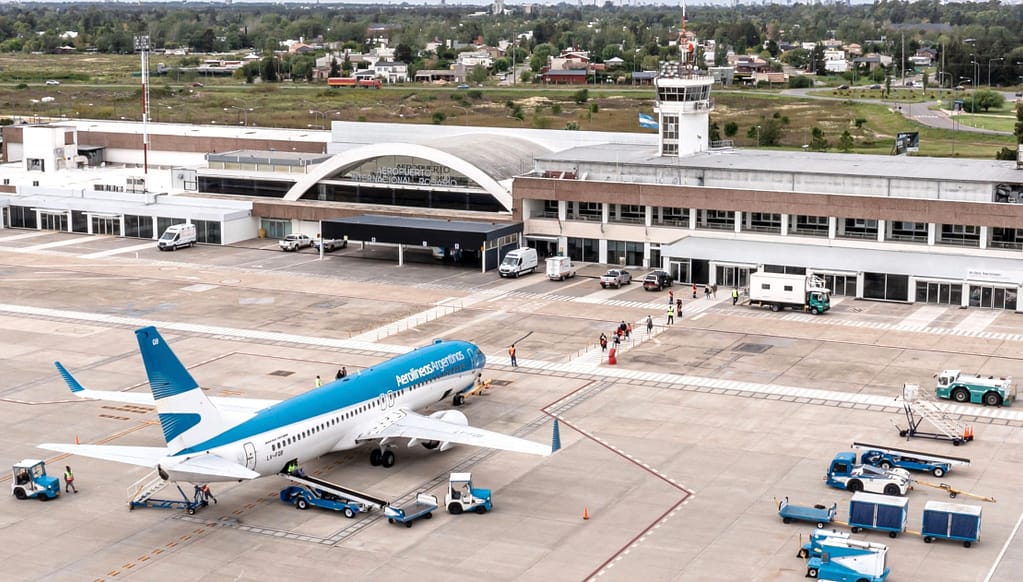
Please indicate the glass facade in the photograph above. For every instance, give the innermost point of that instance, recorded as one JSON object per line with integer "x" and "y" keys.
{"x": 632, "y": 252}
{"x": 138, "y": 226}
{"x": 801, "y": 225}
{"x": 207, "y": 231}
{"x": 22, "y": 217}
{"x": 584, "y": 249}
{"x": 244, "y": 186}
{"x": 886, "y": 287}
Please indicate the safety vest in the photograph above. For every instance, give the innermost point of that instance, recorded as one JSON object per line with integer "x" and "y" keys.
{"x": 511, "y": 351}
{"x": 69, "y": 476}
{"x": 671, "y": 310}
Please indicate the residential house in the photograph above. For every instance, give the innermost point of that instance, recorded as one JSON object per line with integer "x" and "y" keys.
{"x": 391, "y": 71}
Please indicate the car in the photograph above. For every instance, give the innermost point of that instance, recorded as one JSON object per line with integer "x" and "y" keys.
{"x": 329, "y": 244}
{"x": 657, "y": 280}
{"x": 843, "y": 87}
{"x": 294, "y": 242}
{"x": 875, "y": 86}
{"x": 53, "y": 82}
{"x": 198, "y": 84}
{"x": 463, "y": 86}
{"x": 615, "y": 278}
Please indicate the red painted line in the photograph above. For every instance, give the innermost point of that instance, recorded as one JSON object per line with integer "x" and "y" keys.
{"x": 686, "y": 492}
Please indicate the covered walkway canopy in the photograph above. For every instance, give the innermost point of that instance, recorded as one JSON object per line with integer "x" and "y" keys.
{"x": 486, "y": 240}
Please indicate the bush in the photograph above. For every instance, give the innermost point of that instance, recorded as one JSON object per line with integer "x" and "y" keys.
{"x": 581, "y": 96}
{"x": 799, "y": 82}
{"x": 731, "y": 128}
{"x": 475, "y": 94}
{"x": 556, "y": 108}
{"x": 438, "y": 117}
{"x": 860, "y": 121}
{"x": 594, "y": 108}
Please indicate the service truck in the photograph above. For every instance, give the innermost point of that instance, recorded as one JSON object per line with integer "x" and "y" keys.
{"x": 779, "y": 290}
{"x": 177, "y": 236}
{"x": 560, "y": 268}
{"x": 844, "y": 473}
{"x": 832, "y": 555}
{"x": 989, "y": 390}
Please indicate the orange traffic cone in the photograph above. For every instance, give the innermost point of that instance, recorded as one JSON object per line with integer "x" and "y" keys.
{"x": 76, "y": 440}
{"x": 586, "y": 513}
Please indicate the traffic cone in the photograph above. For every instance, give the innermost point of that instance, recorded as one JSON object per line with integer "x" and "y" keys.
{"x": 76, "y": 440}
{"x": 586, "y": 513}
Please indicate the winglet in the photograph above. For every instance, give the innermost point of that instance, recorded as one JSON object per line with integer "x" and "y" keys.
{"x": 73, "y": 384}
{"x": 556, "y": 438}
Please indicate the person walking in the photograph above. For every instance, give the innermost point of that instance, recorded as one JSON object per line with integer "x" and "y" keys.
{"x": 511, "y": 354}
{"x": 603, "y": 342}
{"x": 714, "y": 290}
{"x": 694, "y": 290}
{"x": 618, "y": 341}
{"x": 671, "y": 314}
{"x": 628, "y": 330}
{"x": 69, "y": 479}
{"x": 649, "y": 325}
{"x": 671, "y": 296}
{"x": 318, "y": 382}
{"x": 678, "y": 309}
{"x": 735, "y": 295}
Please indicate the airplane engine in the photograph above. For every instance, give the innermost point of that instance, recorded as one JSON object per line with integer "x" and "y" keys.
{"x": 452, "y": 416}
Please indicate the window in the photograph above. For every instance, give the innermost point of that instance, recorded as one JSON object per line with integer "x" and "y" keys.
{"x": 630, "y": 213}
{"x": 788, "y": 287}
{"x": 23, "y": 217}
{"x": 762, "y": 222}
{"x": 885, "y": 287}
{"x": 809, "y": 225}
{"x": 138, "y": 226}
{"x": 861, "y": 228}
{"x": 960, "y": 235}
{"x": 550, "y": 209}
{"x": 588, "y": 211}
{"x": 207, "y": 231}
{"x": 716, "y": 220}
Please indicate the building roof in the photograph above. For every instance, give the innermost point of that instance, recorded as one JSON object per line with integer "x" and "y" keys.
{"x": 502, "y": 157}
{"x": 836, "y": 164}
{"x": 274, "y": 157}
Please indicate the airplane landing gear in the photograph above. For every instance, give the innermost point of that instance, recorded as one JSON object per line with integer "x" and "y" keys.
{"x": 382, "y": 457}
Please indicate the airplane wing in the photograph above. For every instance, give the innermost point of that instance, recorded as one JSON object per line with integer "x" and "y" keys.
{"x": 408, "y": 424}
{"x": 142, "y": 456}
{"x": 236, "y": 408}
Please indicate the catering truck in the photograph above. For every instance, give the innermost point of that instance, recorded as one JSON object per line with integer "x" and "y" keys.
{"x": 989, "y": 390}
{"x": 779, "y": 290}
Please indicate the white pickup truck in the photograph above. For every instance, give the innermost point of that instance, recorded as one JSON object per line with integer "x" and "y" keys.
{"x": 330, "y": 244}
{"x": 294, "y": 242}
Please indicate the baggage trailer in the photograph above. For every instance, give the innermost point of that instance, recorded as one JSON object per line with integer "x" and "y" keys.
{"x": 421, "y": 508}
{"x": 880, "y": 512}
{"x": 887, "y": 457}
{"x": 951, "y": 521}
{"x": 818, "y": 514}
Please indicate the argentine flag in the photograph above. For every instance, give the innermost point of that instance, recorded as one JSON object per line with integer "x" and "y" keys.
{"x": 647, "y": 121}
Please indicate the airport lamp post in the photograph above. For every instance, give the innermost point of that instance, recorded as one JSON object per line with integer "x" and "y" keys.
{"x": 989, "y": 68}
{"x": 323, "y": 115}
{"x": 758, "y": 136}
{"x": 244, "y": 110}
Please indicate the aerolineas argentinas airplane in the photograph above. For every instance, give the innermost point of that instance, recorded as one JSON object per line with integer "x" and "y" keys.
{"x": 228, "y": 439}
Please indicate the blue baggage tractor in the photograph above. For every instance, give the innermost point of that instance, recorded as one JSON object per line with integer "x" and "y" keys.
{"x": 951, "y": 521}
{"x": 880, "y": 512}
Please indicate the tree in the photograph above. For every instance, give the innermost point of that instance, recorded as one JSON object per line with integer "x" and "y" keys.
{"x": 403, "y": 53}
{"x": 818, "y": 142}
{"x": 1005, "y": 154}
{"x": 268, "y": 69}
{"x": 1018, "y": 129}
{"x": 845, "y": 142}
{"x": 987, "y": 99}
{"x": 715, "y": 132}
{"x": 581, "y": 96}
{"x": 335, "y": 68}
{"x": 731, "y": 128}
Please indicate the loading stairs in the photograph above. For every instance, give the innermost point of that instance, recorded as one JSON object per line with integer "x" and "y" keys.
{"x": 141, "y": 494}
{"x": 918, "y": 408}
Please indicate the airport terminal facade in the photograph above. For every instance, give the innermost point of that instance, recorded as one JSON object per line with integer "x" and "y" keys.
{"x": 909, "y": 229}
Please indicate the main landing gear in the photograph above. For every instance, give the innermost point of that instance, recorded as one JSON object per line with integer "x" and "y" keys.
{"x": 382, "y": 457}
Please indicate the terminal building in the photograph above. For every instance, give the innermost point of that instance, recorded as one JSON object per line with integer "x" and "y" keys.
{"x": 891, "y": 228}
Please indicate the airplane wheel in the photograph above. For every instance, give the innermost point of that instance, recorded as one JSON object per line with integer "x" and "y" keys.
{"x": 428, "y": 516}
{"x": 811, "y": 573}
{"x": 375, "y": 457}
{"x": 390, "y": 520}
{"x": 967, "y": 544}
{"x": 387, "y": 459}
{"x": 459, "y": 399}
{"x": 786, "y": 520}
{"x": 409, "y": 523}
{"x": 820, "y": 525}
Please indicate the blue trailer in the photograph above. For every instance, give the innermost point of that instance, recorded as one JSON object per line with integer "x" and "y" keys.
{"x": 880, "y": 512}
{"x": 951, "y": 521}
{"x": 304, "y": 497}
{"x": 421, "y": 508}
{"x": 818, "y": 514}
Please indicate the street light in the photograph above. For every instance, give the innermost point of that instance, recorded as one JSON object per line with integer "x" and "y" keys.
{"x": 758, "y": 136}
{"x": 465, "y": 115}
{"x": 323, "y": 115}
{"x": 243, "y": 110}
{"x": 989, "y": 68}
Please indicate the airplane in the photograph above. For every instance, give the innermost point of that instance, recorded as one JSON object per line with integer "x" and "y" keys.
{"x": 234, "y": 439}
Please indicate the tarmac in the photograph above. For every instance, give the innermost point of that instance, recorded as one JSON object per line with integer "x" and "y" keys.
{"x": 676, "y": 454}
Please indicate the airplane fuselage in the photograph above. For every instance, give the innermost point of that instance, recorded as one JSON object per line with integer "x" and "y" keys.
{"x": 330, "y": 418}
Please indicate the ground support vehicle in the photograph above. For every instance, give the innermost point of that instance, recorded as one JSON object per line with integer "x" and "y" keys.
{"x": 518, "y": 262}
{"x": 615, "y": 278}
{"x": 832, "y": 555}
{"x": 918, "y": 409}
{"x": 778, "y": 291}
{"x": 327, "y": 245}
{"x": 953, "y": 492}
{"x": 177, "y": 236}
{"x": 312, "y": 492}
{"x": 880, "y": 512}
{"x": 987, "y": 390}
{"x": 951, "y": 521}
{"x": 421, "y": 508}
{"x": 295, "y": 242}
{"x": 560, "y": 268}
{"x": 141, "y": 495}
{"x": 888, "y": 457}
{"x": 462, "y": 497}
{"x": 304, "y": 498}
{"x": 480, "y": 387}
{"x": 844, "y": 473}
{"x": 817, "y": 514}
{"x": 31, "y": 481}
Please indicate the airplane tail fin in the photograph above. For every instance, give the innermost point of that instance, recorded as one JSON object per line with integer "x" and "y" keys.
{"x": 72, "y": 383}
{"x": 187, "y": 416}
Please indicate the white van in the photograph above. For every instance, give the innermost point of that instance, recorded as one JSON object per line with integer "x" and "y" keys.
{"x": 560, "y": 268}
{"x": 177, "y": 236}
{"x": 517, "y": 262}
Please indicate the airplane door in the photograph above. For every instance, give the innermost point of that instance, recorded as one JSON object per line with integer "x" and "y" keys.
{"x": 391, "y": 397}
{"x": 250, "y": 456}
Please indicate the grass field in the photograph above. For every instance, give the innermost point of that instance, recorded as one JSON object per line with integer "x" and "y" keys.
{"x": 102, "y": 87}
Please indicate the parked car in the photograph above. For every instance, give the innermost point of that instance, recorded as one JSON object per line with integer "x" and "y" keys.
{"x": 657, "y": 280}
{"x": 875, "y": 86}
{"x": 330, "y": 244}
{"x": 615, "y": 278}
{"x": 463, "y": 86}
{"x": 294, "y": 242}
{"x": 843, "y": 87}
{"x": 53, "y": 82}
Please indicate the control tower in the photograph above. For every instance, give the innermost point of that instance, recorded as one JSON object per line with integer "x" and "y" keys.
{"x": 683, "y": 102}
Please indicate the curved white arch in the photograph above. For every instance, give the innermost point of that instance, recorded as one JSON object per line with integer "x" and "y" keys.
{"x": 492, "y": 186}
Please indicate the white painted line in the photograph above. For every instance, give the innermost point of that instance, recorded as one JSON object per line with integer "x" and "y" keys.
{"x": 1005, "y": 547}
{"x": 120, "y": 251}
{"x": 54, "y": 244}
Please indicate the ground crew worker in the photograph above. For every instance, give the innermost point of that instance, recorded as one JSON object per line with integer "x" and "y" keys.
{"x": 69, "y": 479}
{"x": 207, "y": 493}
{"x": 735, "y": 295}
{"x": 511, "y": 354}
{"x": 694, "y": 290}
{"x": 649, "y": 325}
{"x": 319, "y": 382}
{"x": 671, "y": 314}
{"x": 603, "y": 342}
{"x": 671, "y": 296}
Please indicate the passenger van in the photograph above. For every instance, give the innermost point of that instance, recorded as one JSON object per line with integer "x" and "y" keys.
{"x": 177, "y": 236}
{"x": 517, "y": 262}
